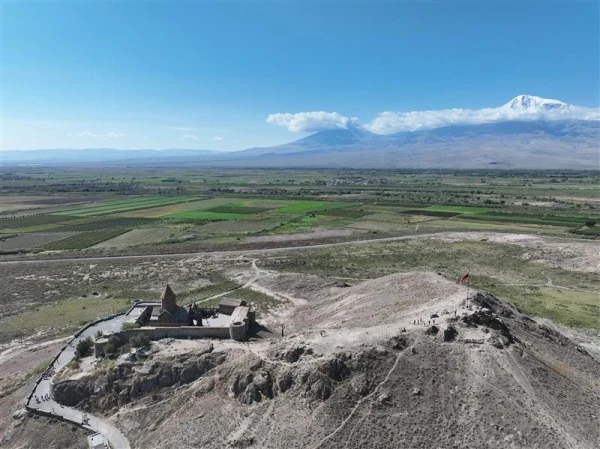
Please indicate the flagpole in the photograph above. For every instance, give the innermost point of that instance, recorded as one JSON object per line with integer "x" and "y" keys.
{"x": 468, "y": 285}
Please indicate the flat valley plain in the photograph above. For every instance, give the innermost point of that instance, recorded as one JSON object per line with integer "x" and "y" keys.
{"x": 74, "y": 220}
{"x": 79, "y": 243}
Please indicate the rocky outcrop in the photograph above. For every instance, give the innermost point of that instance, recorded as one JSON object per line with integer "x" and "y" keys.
{"x": 450, "y": 333}
{"x": 122, "y": 384}
{"x": 72, "y": 392}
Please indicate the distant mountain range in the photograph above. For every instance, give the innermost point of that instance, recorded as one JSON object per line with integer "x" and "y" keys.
{"x": 534, "y": 136}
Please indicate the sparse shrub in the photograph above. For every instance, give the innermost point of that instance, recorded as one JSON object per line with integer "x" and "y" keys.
{"x": 112, "y": 347}
{"x": 84, "y": 347}
{"x": 134, "y": 325}
{"x": 139, "y": 341}
{"x": 590, "y": 223}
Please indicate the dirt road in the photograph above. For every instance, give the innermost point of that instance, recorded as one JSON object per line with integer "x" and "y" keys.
{"x": 266, "y": 250}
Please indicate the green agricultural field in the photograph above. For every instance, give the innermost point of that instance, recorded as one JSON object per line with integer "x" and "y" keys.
{"x": 459, "y": 209}
{"x": 112, "y": 207}
{"x": 232, "y": 209}
{"x": 208, "y": 216}
{"x": 430, "y": 213}
{"x": 163, "y": 211}
{"x": 311, "y": 206}
{"x": 345, "y": 213}
{"x": 237, "y": 227}
{"x": 84, "y": 239}
{"x": 31, "y": 220}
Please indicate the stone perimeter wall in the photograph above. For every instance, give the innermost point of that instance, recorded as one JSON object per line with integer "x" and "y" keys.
{"x": 156, "y": 333}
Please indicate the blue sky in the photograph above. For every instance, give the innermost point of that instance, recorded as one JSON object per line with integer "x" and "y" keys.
{"x": 207, "y": 75}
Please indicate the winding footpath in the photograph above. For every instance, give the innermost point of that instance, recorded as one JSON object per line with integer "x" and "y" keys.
{"x": 111, "y": 434}
{"x": 44, "y": 389}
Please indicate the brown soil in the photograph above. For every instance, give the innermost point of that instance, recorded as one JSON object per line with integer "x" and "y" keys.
{"x": 355, "y": 371}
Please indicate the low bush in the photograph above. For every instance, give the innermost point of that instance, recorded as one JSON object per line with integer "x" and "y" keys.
{"x": 84, "y": 347}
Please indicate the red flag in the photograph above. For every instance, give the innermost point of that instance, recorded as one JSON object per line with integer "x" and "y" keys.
{"x": 463, "y": 279}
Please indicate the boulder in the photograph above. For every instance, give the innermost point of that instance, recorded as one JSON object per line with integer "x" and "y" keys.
{"x": 432, "y": 330}
{"x": 251, "y": 394}
{"x": 450, "y": 333}
{"x": 264, "y": 382}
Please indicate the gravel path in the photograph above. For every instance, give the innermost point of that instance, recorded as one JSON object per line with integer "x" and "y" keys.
{"x": 44, "y": 389}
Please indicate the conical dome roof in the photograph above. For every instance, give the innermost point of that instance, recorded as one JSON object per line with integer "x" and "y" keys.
{"x": 167, "y": 299}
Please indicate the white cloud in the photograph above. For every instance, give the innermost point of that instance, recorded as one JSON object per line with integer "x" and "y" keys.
{"x": 215, "y": 138}
{"x": 392, "y": 122}
{"x": 188, "y": 137}
{"x": 111, "y": 135}
{"x": 310, "y": 121}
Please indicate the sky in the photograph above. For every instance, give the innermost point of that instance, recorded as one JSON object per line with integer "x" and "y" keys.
{"x": 234, "y": 75}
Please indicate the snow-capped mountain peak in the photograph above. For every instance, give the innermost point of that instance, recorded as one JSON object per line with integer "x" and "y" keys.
{"x": 531, "y": 103}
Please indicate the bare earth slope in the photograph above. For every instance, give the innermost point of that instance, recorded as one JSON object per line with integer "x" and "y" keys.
{"x": 361, "y": 367}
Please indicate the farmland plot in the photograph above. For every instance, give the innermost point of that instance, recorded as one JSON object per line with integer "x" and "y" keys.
{"x": 238, "y": 226}
{"x": 32, "y": 241}
{"x": 84, "y": 239}
{"x": 135, "y": 237}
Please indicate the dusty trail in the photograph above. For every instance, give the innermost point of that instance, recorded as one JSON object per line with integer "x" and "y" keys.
{"x": 226, "y": 253}
{"x": 360, "y": 402}
{"x": 265, "y": 250}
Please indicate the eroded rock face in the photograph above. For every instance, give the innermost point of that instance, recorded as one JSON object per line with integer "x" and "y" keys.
{"x": 121, "y": 384}
{"x": 336, "y": 368}
{"x": 490, "y": 320}
{"x": 72, "y": 392}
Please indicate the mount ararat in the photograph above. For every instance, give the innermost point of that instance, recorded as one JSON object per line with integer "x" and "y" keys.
{"x": 526, "y": 133}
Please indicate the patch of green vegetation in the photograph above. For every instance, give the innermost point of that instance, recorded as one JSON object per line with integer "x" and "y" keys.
{"x": 84, "y": 239}
{"x": 60, "y": 318}
{"x": 84, "y": 347}
{"x": 567, "y": 307}
{"x": 233, "y": 209}
{"x": 311, "y": 206}
{"x": 31, "y": 220}
{"x": 429, "y": 213}
{"x": 345, "y": 213}
{"x": 207, "y": 216}
{"x": 459, "y": 209}
{"x": 99, "y": 223}
{"x": 261, "y": 301}
{"x": 219, "y": 284}
{"x": 590, "y": 231}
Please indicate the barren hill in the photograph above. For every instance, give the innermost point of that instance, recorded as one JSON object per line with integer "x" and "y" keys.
{"x": 360, "y": 366}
